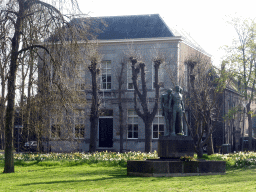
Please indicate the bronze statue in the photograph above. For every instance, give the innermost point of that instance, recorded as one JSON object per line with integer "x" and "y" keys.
{"x": 177, "y": 111}
{"x": 166, "y": 105}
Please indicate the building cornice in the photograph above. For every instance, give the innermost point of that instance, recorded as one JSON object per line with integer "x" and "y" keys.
{"x": 137, "y": 40}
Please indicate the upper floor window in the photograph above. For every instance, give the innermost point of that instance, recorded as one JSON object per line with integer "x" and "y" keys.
{"x": 129, "y": 77}
{"x": 106, "y": 75}
{"x": 160, "y": 75}
{"x": 80, "y": 78}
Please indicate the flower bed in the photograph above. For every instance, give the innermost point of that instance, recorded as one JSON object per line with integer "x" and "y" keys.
{"x": 236, "y": 160}
{"x": 88, "y": 157}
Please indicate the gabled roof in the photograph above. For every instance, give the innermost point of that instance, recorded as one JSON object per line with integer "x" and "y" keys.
{"x": 129, "y": 27}
{"x": 132, "y": 27}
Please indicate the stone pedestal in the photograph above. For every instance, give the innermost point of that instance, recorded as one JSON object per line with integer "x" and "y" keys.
{"x": 174, "y": 168}
{"x": 175, "y": 146}
{"x": 170, "y": 149}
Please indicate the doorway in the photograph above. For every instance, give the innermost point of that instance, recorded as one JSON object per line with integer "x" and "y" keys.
{"x": 105, "y": 132}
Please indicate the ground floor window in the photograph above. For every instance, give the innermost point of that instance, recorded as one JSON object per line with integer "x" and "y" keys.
{"x": 79, "y": 131}
{"x": 56, "y": 122}
{"x": 133, "y": 130}
{"x": 79, "y": 121}
{"x": 158, "y": 125}
{"x": 55, "y": 131}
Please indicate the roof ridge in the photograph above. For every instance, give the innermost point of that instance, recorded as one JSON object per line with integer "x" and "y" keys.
{"x": 125, "y": 15}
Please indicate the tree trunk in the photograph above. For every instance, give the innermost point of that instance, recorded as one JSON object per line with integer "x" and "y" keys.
{"x": 249, "y": 127}
{"x": 210, "y": 149}
{"x": 9, "y": 127}
{"x": 148, "y": 136}
{"x": 28, "y": 109}
{"x": 199, "y": 152}
{"x": 2, "y": 116}
{"x": 94, "y": 108}
{"x": 121, "y": 127}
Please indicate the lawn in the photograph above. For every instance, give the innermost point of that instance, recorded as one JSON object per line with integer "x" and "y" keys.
{"x": 101, "y": 178}
{"x": 59, "y": 175}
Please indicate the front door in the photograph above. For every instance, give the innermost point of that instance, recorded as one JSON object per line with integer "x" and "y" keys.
{"x": 105, "y": 132}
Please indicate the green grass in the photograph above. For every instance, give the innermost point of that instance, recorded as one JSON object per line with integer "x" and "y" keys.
{"x": 106, "y": 171}
{"x": 99, "y": 177}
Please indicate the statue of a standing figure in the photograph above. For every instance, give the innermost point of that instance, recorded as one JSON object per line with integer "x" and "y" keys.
{"x": 177, "y": 111}
{"x": 166, "y": 105}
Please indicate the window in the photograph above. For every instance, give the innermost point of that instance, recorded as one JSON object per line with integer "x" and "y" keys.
{"x": 160, "y": 75}
{"x": 80, "y": 80}
{"x": 55, "y": 131}
{"x": 56, "y": 122}
{"x": 158, "y": 125}
{"x": 80, "y": 86}
{"x": 129, "y": 77}
{"x": 132, "y": 124}
{"x": 79, "y": 123}
{"x": 106, "y": 75}
{"x": 79, "y": 131}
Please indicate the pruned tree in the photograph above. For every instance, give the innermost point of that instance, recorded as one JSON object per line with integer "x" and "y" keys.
{"x": 120, "y": 79}
{"x": 33, "y": 25}
{"x": 145, "y": 114}
{"x": 204, "y": 101}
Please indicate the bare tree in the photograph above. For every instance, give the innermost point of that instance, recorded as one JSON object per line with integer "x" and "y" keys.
{"x": 242, "y": 58}
{"x": 48, "y": 29}
{"x": 147, "y": 115}
{"x": 120, "y": 79}
{"x": 204, "y": 100}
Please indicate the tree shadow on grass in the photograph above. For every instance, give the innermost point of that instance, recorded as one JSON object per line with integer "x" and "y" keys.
{"x": 84, "y": 181}
{"x": 111, "y": 175}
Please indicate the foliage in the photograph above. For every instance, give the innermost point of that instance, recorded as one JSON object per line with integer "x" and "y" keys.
{"x": 203, "y": 100}
{"x": 235, "y": 160}
{"x": 69, "y": 159}
{"x": 241, "y": 58}
{"x": 187, "y": 158}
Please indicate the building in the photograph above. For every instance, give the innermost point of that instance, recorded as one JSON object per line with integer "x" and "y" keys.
{"x": 146, "y": 36}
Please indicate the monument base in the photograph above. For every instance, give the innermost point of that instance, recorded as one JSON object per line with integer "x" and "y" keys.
{"x": 175, "y": 146}
{"x": 174, "y": 168}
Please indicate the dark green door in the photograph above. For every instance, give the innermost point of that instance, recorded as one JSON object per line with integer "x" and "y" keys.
{"x": 105, "y": 132}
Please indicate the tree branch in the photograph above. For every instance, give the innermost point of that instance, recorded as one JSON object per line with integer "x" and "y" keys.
{"x": 32, "y": 47}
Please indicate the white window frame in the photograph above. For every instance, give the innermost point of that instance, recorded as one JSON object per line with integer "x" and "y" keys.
{"x": 105, "y": 70}
{"x": 132, "y": 116}
{"x": 157, "y": 118}
{"x": 80, "y": 80}
{"x": 129, "y": 77}
{"x": 56, "y": 120}
{"x": 160, "y": 75}
{"x": 79, "y": 120}
{"x": 80, "y": 86}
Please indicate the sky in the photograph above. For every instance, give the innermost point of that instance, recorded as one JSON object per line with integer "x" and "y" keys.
{"x": 204, "y": 20}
